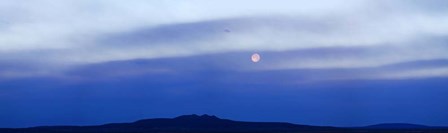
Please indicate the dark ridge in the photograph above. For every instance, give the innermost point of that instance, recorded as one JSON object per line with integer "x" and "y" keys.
{"x": 212, "y": 124}
{"x": 197, "y": 117}
{"x": 397, "y": 126}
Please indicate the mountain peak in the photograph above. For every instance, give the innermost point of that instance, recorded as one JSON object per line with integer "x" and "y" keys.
{"x": 197, "y": 117}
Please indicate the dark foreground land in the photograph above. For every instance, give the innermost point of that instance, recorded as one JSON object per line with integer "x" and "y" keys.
{"x": 212, "y": 124}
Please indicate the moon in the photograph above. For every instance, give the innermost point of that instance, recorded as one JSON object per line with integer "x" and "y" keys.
{"x": 255, "y": 57}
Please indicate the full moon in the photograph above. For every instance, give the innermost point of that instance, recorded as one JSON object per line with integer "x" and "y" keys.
{"x": 255, "y": 57}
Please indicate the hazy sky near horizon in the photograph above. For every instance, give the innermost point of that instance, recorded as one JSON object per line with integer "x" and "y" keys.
{"x": 387, "y": 59}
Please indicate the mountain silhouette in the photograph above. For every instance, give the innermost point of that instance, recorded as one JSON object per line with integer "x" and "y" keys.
{"x": 397, "y": 126}
{"x": 212, "y": 124}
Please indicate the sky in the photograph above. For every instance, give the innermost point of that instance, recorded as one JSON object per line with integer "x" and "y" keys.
{"x": 323, "y": 62}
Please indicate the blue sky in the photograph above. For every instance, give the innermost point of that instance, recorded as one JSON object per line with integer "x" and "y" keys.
{"x": 340, "y": 63}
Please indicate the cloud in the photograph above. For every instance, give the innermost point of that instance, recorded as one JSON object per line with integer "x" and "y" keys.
{"x": 52, "y": 34}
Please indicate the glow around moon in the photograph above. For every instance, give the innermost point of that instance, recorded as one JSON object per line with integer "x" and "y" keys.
{"x": 255, "y": 57}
